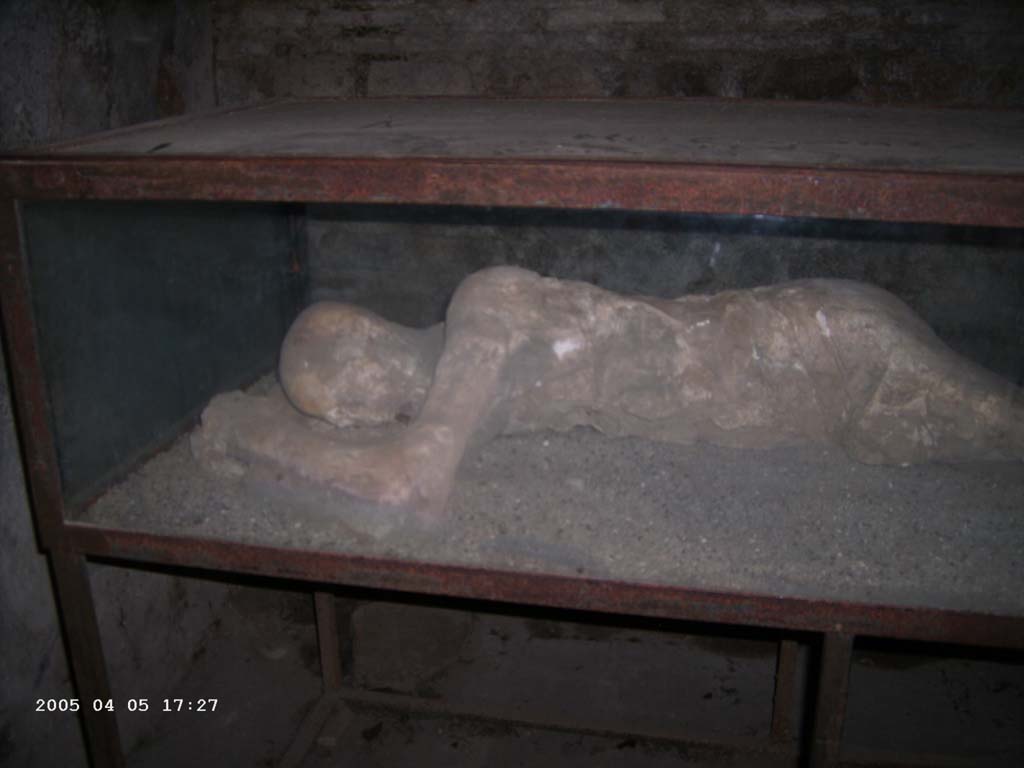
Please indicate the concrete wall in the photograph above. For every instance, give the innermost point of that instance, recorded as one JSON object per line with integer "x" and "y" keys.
{"x": 69, "y": 68}
{"x": 935, "y": 51}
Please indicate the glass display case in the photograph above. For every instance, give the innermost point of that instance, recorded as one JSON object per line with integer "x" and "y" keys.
{"x": 149, "y": 269}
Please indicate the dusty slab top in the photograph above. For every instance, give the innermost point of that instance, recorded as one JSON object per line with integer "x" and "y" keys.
{"x": 671, "y": 131}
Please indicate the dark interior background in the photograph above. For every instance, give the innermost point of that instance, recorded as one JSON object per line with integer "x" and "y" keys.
{"x": 72, "y": 67}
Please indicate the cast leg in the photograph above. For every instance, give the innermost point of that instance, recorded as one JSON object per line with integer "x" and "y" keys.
{"x": 933, "y": 405}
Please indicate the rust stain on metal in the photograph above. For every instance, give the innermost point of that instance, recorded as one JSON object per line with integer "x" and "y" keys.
{"x": 578, "y": 593}
{"x": 30, "y": 392}
{"x": 947, "y": 198}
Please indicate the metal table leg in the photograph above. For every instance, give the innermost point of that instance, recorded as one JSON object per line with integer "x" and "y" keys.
{"x": 327, "y": 637}
{"x": 830, "y": 708}
{"x": 85, "y": 652}
{"x": 784, "y": 699}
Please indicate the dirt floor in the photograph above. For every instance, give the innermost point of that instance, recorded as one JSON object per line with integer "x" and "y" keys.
{"x": 604, "y": 674}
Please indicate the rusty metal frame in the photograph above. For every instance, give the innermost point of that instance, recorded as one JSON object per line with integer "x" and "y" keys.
{"x": 324, "y": 607}
{"x": 784, "y": 695}
{"x": 830, "y": 708}
{"x": 31, "y": 403}
{"x": 574, "y": 592}
{"x": 68, "y": 570}
{"x": 84, "y": 644}
{"x": 843, "y": 193}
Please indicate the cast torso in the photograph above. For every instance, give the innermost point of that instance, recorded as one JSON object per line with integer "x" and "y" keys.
{"x": 752, "y": 368}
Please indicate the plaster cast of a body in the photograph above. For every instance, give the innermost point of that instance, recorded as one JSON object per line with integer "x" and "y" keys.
{"x": 819, "y": 361}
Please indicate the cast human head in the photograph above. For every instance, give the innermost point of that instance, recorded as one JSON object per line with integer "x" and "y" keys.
{"x": 351, "y": 367}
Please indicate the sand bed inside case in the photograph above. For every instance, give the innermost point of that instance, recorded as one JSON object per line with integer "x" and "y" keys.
{"x": 805, "y": 522}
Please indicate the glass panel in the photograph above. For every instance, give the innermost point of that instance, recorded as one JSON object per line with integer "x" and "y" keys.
{"x": 797, "y": 517}
{"x": 144, "y": 311}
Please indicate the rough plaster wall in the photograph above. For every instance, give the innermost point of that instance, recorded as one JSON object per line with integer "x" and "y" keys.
{"x": 935, "y": 51}
{"x": 69, "y": 68}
